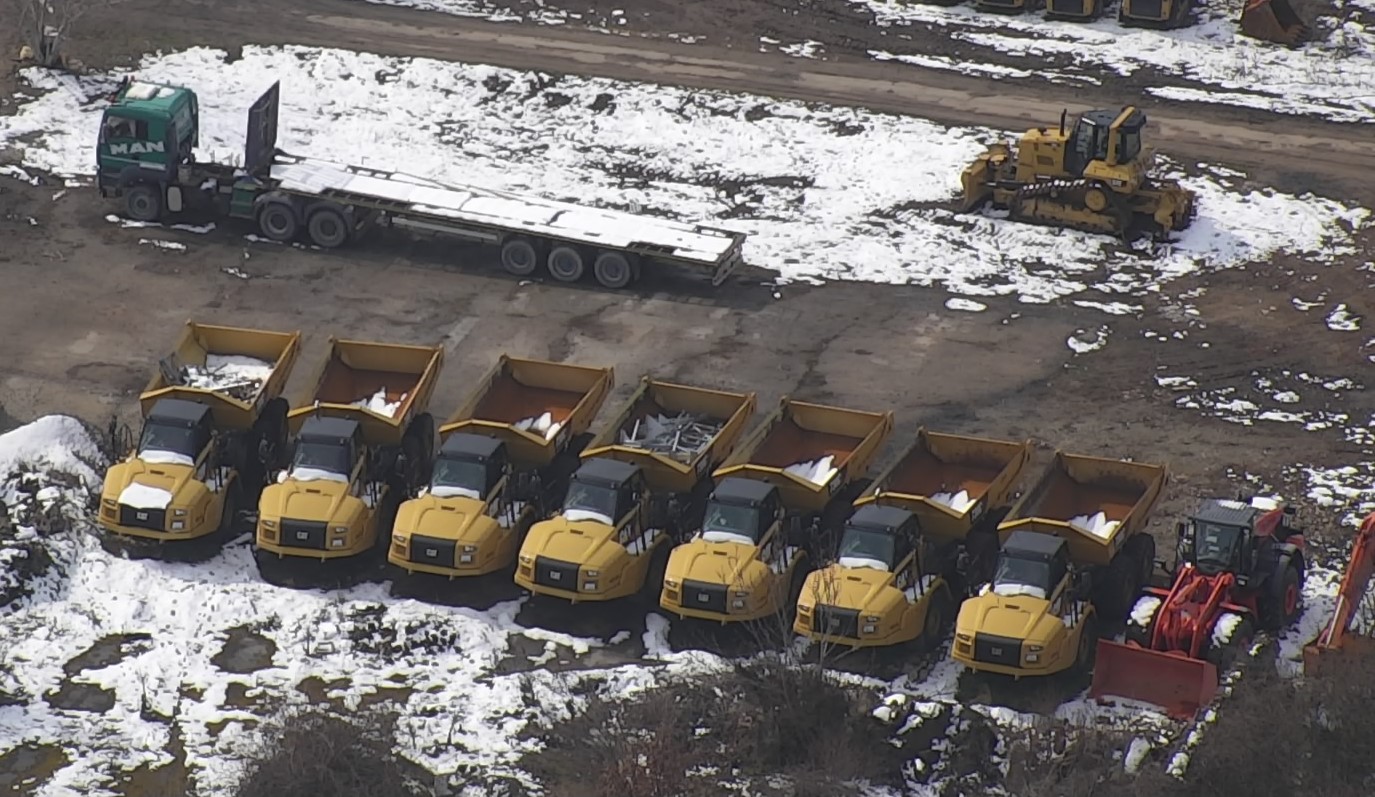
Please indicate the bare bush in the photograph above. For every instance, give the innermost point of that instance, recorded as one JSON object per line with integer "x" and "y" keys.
{"x": 45, "y": 25}
{"x": 306, "y": 752}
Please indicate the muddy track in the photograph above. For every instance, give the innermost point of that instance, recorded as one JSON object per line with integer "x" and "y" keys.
{"x": 1293, "y": 153}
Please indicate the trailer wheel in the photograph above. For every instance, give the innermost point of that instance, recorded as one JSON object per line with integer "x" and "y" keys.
{"x": 566, "y": 264}
{"x": 614, "y": 270}
{"x": 277, "y": 221}
{"x": 327, "y": 227}
{"x": 143, "y": 203}
{"x": 520, "y": 256}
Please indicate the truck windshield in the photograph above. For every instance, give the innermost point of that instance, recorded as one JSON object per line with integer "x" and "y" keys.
{"x": 459, "y": 477}
{"x": 1017, "y": 576}
{"x": 861, "y": 547}
{"x": 590, "y": 502}
{"x": 163, "y": 442}
{"x": 330, "y": 457}
{"x": 1215, "y": 546}
{"x": 731, "y": 523}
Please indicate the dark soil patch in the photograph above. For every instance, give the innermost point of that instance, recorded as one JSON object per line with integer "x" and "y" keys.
{"x": 245, "y": 651}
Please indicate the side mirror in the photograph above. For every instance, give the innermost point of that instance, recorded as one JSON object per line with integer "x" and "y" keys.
{"x": 1180, "y": 529}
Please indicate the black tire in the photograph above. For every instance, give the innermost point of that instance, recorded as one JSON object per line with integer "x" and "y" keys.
{"x": 938, "y": 616}
{"x": 328, "y": 227}
{"x": 520, "y": 256}
{"x": 1141, "y": 634}
{"x": 1283, "y": 601}
{"x": 1088, "y": 645}
{"x": 418, "y": 445}
{"x": 654, "y": 577}
{"x": 566, "y": 263}
{"x": 143, "y": 203}
{"x": 271, "y": 431}
{"x": 614, "y": 270}
{"x": 1225, "y": 655}
{"x": 1145, "y": 558}
{"x": 277, "y": 222}
{"x": 233, "y": 501}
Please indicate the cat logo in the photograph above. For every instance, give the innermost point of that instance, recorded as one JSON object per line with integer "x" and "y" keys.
{"x": 555, "y": 575}
{"x": 432, "y": 552}
{"x": 302, "y": 535}
{"x": 142, "y": 515}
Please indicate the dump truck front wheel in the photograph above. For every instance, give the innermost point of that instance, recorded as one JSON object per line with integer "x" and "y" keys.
{"x": 938, "y": 616}
{"x": 143, "y": 203}
{"x": 1088, "y": 645}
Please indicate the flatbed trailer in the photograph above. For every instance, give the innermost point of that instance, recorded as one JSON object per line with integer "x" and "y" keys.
{"x": 146, "y": 157}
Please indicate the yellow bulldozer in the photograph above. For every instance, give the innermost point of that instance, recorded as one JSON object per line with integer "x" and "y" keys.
{"x": 1094, "y": 175}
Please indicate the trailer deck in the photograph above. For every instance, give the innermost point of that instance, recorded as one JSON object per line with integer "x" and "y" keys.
{"x": 496, "y": 212}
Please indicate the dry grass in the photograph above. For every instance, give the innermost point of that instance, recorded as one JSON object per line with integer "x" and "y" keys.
{"x": 309, "y": 752}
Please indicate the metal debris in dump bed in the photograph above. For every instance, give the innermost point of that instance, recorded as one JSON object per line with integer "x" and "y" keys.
{"x": 681, "y": 437}
{"x": 232, "y": 374}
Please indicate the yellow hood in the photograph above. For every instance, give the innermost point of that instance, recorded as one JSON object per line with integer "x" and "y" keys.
{"x": 1011, "y": 617}
{"x": 447, "y": 518}
{"x": 585, "y": 542}
{"x": 169, "y": 477}
{"x": 299, "y": 500}
{"x": 713, "y": 562}
{"x": 857, "y": 588}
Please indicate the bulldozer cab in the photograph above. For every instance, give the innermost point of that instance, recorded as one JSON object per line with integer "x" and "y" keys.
{"x": 1110, "y": 137}
{"x": 880, "y": 537}
{"x": 175, "y": 432}
{"x": 327, "y": 448}
{"x": 606, "y": 491}
{"x": 1031, "y": 564}
{"x": 470, "y": 466}
{"x": 742, "y": 511}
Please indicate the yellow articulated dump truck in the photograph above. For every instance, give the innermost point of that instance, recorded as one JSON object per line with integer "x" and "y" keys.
{"x": 503, "y": 454}
{"x": 214, "y": 427}
{"x": 360, "y": 446}
{"x": 775, "y": 497}
{"x": 926, "y": 522}
{"x": 638, "y": 490}
{"x": 1075, "y": 546}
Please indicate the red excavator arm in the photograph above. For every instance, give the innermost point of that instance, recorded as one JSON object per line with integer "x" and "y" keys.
{"x": 1355, "y": 582}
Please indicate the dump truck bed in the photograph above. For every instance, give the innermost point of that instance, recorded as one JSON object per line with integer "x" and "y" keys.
{"x": 810, "y": 451}
{"x": 1095, "y": 504}
{"x": 536, "y": 406}
{"x": 676, "y": 433}
{"x": 233, "y": 370}
{"x": 383, "y": 386}
{"x": 950, "y": 481}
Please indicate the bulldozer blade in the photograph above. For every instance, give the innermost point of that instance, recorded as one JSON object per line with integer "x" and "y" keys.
{"x": 1273, "y": 21}
{"x": 1176, "y": 683}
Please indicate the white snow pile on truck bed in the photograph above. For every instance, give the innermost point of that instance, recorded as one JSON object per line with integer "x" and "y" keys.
{"x": 379, "y": 404}
{"x": 823, "y": 192}
{"x": 224, "y": 371}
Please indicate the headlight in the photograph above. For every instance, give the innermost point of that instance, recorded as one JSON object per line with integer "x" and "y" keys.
{"x": 526, "y": 559}
{"x": 398, "y": 537}
{"x": 178, "y": 513}
{"x": 589, "y": 586}
{"x": 804, "y": 607}
{"x": 1033, "y": 658}
{"x": 593, "y": 573}
{"x": 473, "y": 549}
{"x": 109, "y": 503}
{"x": 964, "y": 637}
{"x": 178, "y": 525}
{"x": 742, "y": 594}
{"x": 465, "y": 559}
{"x": 336, "y": 543}
{"x": 671, "y": 583}
{"x": 871, "y": 619}
{"x": 269, "y": 524}
{"x": 738, "y": 603}
{"x": 1034, "y": 648}
{"x": 341, "y": 529}
{"x": 869, "y": 628}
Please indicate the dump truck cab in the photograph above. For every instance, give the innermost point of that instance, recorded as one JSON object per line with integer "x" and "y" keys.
{"x": 881, "y": 589}
{"x": 1033, "y": 617}
{"x": 213, "y": 427}
{"x": 467, "y": 520}
{"x": 602, "y": 543}
{"x": 321, "y": 500}
{"x": 728, "y": 570}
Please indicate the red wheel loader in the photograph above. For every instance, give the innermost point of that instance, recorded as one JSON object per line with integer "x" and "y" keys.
{"x": 1355, "y": 583}
{"x": 1239, "y": 566}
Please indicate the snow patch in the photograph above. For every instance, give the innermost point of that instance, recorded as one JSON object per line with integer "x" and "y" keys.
{"x": 816, "y": 471}
{"x": 1097, "y": 524}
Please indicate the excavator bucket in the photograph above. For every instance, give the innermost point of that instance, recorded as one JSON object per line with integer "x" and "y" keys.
{"x": 1273, "y": 21}
{"x": 1176, "y": 683}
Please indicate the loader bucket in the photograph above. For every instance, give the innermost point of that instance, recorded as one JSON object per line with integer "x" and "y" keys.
{"x": 1273, "y": 21}
{"x": 1176, "y": 683}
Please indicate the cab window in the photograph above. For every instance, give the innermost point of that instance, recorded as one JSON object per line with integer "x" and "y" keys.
{"x": 119, "y": 127}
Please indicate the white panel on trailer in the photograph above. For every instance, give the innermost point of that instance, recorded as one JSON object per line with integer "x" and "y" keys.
{"x": 565, "y": 220}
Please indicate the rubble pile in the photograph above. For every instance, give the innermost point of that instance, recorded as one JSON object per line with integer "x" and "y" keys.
{"x": 681, "y": 437}
{"x": 239, "y": 376}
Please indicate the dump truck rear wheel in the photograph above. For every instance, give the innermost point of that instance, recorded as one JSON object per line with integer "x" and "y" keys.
{"x": 614, "y": 270}
{"x": 143, "y": 203}
{"x": 566, "y": 264}
{"x": 277, "y": 222}
{"x": 520, "y": 257}
{"x": 327, "y": 227}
